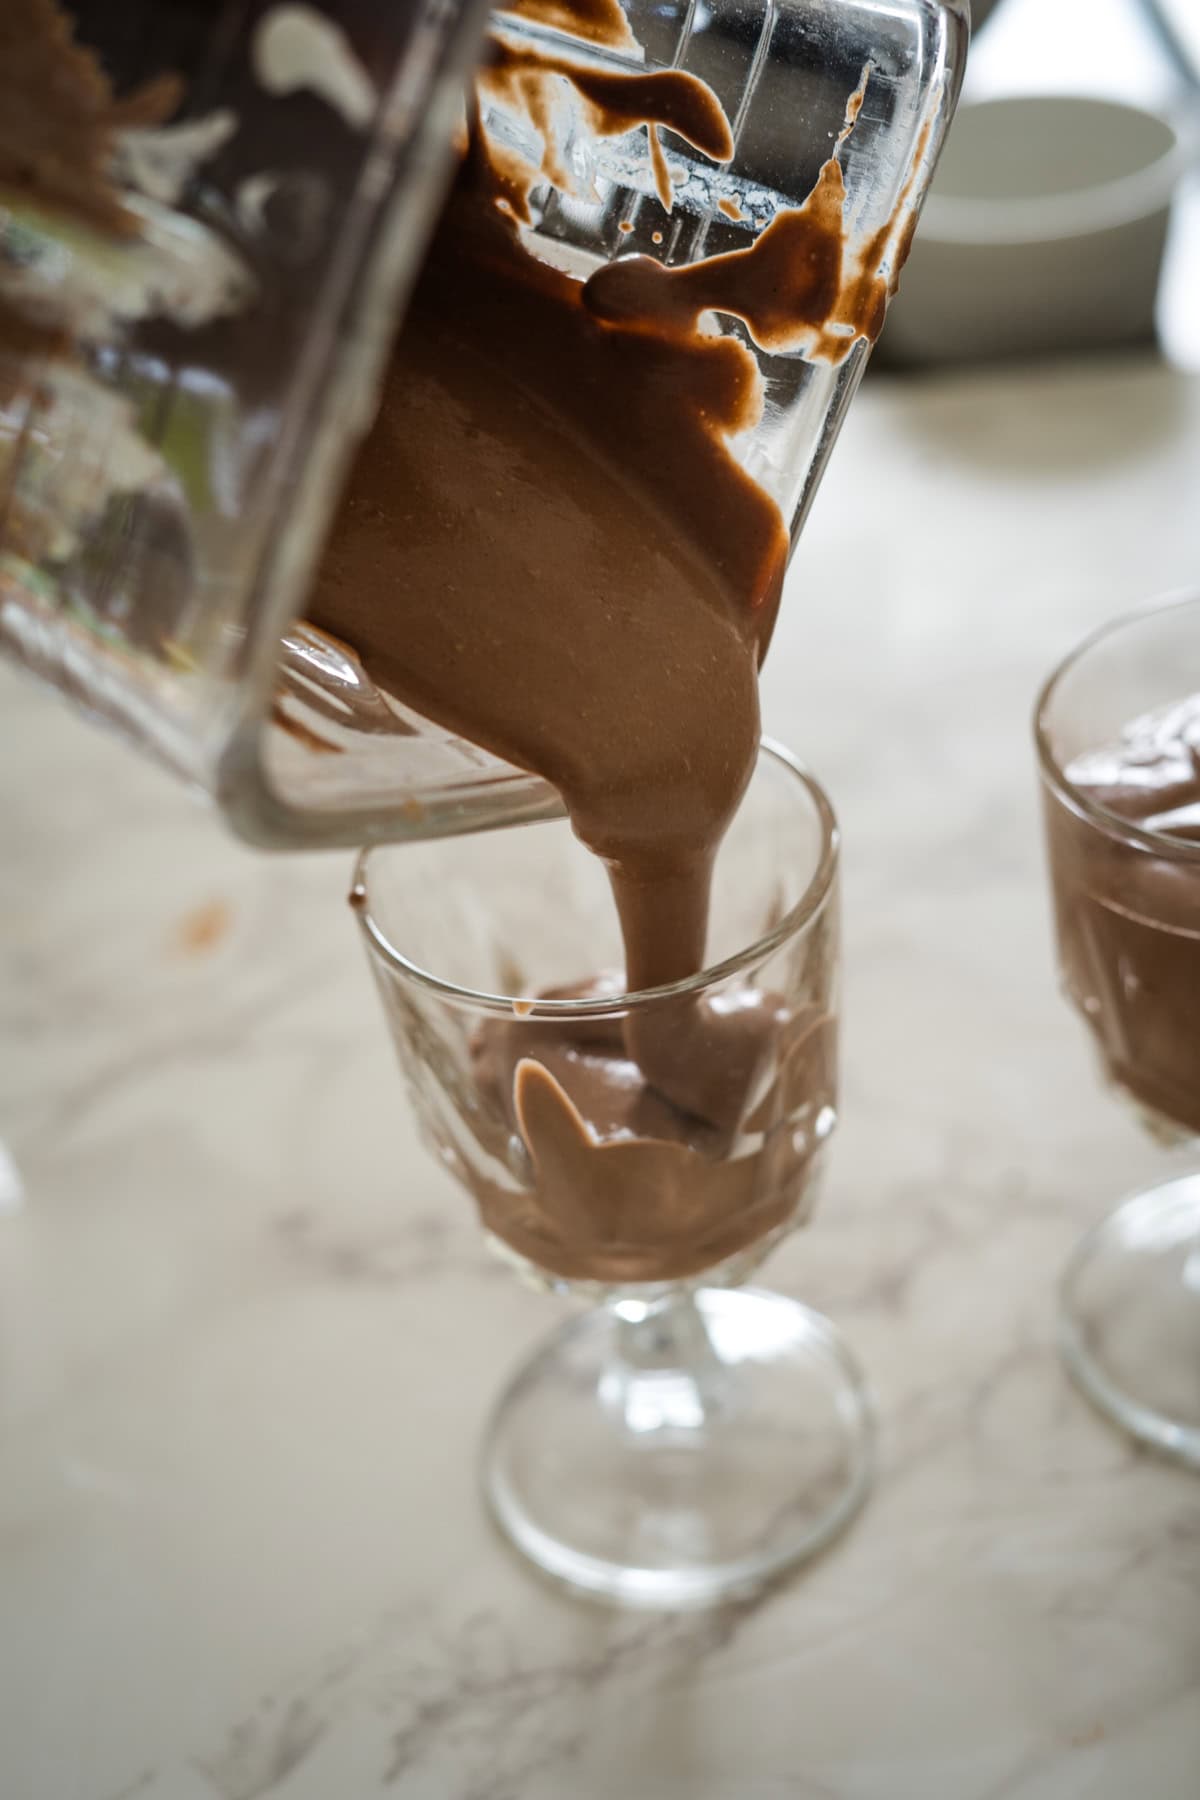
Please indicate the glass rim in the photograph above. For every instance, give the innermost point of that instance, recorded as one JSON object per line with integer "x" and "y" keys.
{"x": 1160, "y": 843}
{"x": 522, "y": 1006}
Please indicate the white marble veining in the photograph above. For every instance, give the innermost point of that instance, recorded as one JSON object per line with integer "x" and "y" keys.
{"x": 248, "y": 1334}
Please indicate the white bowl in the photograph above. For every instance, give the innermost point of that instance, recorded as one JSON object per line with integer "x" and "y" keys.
{"x": 1044, "y": 230}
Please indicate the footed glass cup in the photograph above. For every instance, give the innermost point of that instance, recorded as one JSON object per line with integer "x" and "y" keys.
{"x": 1125, "y": 877}
{"x": 685, "y": 1438}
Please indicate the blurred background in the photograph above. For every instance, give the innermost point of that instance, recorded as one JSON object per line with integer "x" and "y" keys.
{"x": 1061, "y": 174}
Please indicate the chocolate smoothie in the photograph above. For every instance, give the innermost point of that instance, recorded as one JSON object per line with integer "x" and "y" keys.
{"x": 547, "y": 546}
{"x": 625, "y": 1186}
{"x": 1128, "y": 907}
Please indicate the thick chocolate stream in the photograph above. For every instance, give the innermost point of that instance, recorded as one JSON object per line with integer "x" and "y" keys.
{"x": 547, "y": 546}
{"x": 546, "y": 543}
{"x": 1129, "y": 913}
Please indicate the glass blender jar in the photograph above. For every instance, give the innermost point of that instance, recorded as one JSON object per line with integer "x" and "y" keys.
{"x": 182, "y": 383}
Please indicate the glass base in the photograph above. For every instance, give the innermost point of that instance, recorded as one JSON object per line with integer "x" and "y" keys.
{"x": 1129, "y": 1318}
{"x": 679, "y": 1452}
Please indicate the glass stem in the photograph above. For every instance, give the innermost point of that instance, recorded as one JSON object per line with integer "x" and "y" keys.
{"x": 663, "y": 1373}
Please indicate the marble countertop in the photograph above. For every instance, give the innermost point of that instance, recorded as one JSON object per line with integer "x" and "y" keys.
{"x": 248, "y": 1333}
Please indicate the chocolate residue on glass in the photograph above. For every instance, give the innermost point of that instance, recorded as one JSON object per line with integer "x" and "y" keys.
{"x": 1128, "y": 909}
{"x": 785, "y": 288}
{"x": 594, "y": 21}
{"x": 797, "y": 287}
{"x": 611, "y": 104}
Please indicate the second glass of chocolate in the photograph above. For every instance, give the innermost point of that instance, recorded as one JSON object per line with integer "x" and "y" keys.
{"x": 686, "y": 1438}
{"x": 1118, "y": 737}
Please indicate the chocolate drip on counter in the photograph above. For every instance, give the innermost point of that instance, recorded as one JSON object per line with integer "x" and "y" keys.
{"x": 1128, "y": 912}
